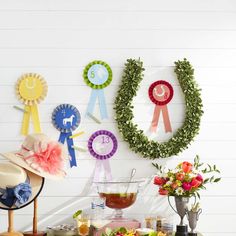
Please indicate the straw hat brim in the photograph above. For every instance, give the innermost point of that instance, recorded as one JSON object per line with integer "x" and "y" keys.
{"x": 36, "y": 183}
{"x": 16, "y": 159}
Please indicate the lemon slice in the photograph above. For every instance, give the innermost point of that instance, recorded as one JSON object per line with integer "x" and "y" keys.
{"x": 77, "y": 213}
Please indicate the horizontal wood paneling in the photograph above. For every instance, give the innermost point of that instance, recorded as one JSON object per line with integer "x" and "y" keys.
{"x": 217, "y": 150}
{"x": 205, "y": 134}
{"x": 80, "y": 39}
{"x": 23, "y": 57}
{"x": 73, "y": 75}
{"x": 57, "y": 38}
{"x": 72, "y": 95}
{"x": 132, "y": 5}
{"x": 211, "y": 115}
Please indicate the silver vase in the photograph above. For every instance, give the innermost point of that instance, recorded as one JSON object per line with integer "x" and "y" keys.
{"x": 181, "y": 204}
{"x": 193, "y": 217}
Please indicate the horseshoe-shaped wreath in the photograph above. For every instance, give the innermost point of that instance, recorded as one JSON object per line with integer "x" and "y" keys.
{"x": 138, "y": 142}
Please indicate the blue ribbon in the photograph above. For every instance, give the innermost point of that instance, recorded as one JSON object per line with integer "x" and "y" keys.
{"x": 94, "y": 205}
{"x": 70, "y": 144}
{"x": 97, "y": 93}
{"x": 17, "y": 195}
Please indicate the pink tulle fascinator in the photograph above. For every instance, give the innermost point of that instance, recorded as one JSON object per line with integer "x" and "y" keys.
{"x": 40, "y": 155}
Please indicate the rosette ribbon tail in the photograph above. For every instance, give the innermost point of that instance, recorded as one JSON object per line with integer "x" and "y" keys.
{"x": 70, "y": 143}
{"x": 156, "y": 116}
{"x": 102, "y": 164}
{"x": 30, "y": 111}
{"x": 97, "y": 93}
{"x": 102, "y": 104}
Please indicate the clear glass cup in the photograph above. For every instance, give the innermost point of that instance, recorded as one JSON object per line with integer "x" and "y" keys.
{"x": 83, "y": 224}
{"x": 97, "y": 212}
{"x": 97, "y": 208}
{"x": 150, "y": 221}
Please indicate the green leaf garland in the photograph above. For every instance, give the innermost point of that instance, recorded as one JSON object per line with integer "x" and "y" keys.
{"x": 138, "y": 142}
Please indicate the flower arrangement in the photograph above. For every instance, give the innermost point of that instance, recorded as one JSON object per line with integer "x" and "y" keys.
{"x": 186, "y": 179}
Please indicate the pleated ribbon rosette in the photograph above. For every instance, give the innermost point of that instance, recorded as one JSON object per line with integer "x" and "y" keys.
{"x": 97, "y": 75}
{"x": 160, "y": 93}
{"x": 31, "y": 89}
{"x": 102, "y": 145}
{"x": 66, "y": 118}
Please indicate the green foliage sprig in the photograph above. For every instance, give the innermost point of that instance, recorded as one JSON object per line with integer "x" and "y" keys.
{"x": 206, "y": 170}
{"x": 138, "y": 142}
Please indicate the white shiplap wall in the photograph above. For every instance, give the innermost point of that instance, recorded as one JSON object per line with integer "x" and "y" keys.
{"x": 57, "y": 38}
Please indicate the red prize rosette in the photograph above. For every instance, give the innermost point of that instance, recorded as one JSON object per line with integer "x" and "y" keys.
{"x": 160, "y": 93}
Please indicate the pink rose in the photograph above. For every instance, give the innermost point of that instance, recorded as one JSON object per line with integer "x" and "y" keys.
{"x": 195, "y": 182}
{"x": 186, "y": 186}
{"x": 199, "y": 178}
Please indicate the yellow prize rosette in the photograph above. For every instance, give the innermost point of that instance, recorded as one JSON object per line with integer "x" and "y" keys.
{"x": 31, "y": 89}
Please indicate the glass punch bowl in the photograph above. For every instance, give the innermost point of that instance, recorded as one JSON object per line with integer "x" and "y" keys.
{"x": 119, "y": 194}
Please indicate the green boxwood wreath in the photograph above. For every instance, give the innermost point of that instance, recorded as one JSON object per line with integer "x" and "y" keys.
{"x": 138, "y": 142}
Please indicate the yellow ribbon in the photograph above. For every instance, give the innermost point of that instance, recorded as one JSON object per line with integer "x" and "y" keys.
{"x": 76, "y": 135}
{"x": 33, "y": 112}
{"x": 31, "y": 89}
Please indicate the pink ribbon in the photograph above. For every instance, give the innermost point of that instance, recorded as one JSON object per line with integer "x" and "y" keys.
{"x": 156, "y": 116}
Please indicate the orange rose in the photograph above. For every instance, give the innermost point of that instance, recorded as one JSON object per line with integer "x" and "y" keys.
{"x": 174, "y": 185}
{"x": 186, "y": 167}
{"x": 179, "y": 176}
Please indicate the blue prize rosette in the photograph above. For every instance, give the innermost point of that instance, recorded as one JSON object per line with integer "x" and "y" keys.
{"x": 97, "y": 75}
{"x": 66, "y": 118}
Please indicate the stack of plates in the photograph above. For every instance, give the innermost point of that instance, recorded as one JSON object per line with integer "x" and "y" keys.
{"x": 62, "y": 230}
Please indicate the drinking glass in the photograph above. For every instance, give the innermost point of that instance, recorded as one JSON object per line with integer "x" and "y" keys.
{"x": 83, "y": 224}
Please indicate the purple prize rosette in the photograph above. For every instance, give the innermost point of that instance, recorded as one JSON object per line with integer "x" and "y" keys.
{"x": 102, "y": 145}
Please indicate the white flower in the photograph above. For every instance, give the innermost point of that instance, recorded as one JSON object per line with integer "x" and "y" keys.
{"x": 192, "y": 175}
{"x": 176, "y": 170}
{"x": 164, "y": 175}
{"x": 171, "y": 179}
{"x": 179, "y": 191}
